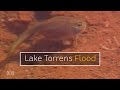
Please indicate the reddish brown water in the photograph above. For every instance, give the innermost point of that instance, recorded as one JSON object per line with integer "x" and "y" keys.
{"x": 102, "y": 35}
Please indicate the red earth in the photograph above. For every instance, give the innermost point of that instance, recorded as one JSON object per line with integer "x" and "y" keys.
{"x": 101, "y": 35}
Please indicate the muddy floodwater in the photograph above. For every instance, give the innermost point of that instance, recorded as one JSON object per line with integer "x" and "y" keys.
{"x": 102, "y": 34}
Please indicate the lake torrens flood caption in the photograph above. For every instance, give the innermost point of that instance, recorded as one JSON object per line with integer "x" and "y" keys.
{"x": 60, "y": 58}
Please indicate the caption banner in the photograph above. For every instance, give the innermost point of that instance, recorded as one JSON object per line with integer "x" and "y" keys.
{"x": 59, "y": 58}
